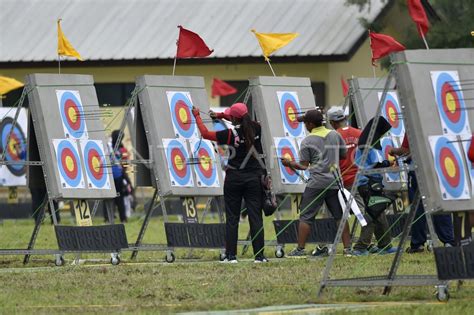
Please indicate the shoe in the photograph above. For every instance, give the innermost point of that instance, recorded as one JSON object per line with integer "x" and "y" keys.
{"x": 260, "y": 259}
{"x": 320, "y": 251}
{"x": 229, "y": 259}
{"x": 415, "y": 250}
{"x": 391, "y": 250}
{"x": 360, "y": 252}
{"x": 373, "y": 249}
{"x": 347, "y": 252}
{"x": 297, "y": 253}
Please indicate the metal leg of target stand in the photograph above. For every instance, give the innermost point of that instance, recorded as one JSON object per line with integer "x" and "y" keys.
{"x": 149, "y": 212}
{"x": 34, "y": 235}
{"x": 406, "y": 229}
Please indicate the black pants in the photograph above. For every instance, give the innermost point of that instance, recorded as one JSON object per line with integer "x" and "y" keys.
{"x": 243, "y": 185}
{"x": 118, "y": 201}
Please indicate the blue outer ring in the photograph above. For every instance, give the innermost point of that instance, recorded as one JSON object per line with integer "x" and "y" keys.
{"x": 294, "y": 132}
{"x": 178, "y": 145}
{"x": 456, "y": 192}
{"x": 16, "y": 168}
{"x": 184, "y": 133}
{"x": 74, "y": 133}
{"x": 458, "y": 127}
{"x": 208, "y": 181}
{"x": 388, "y": 142}
{"x": 73, "y": 182}
{"x": 285, "y": 143}
{"x": 100, "y": 183}
{"x": 400, "y": 130}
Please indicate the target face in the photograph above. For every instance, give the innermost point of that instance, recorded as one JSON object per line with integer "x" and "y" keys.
{"x": 95, "y": 163}
{"x": 205, "y": 159}
{"x": 16, "y": 146}
{"x": 72, "y": 114}
{"x": 449, "y": 167}
{"x": 392, "y": 112}
{"x": 450, "y": 102}
{"x": 69, "y": 163}
{"x": 290, "y": 110}
{"x": 387, "y": 144}
{"x": 183, "y": 120}
{"x": 286, "y": 148}
{"x": 177, "y": 158}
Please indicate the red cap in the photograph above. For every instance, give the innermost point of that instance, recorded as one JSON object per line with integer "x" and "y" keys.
{"x": 237, "y": 110}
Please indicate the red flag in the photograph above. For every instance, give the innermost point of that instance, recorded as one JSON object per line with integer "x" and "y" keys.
{"x": 418, "y": 15}
{"x": 382, "y": 45}
{"x": 190, "y": 45}
{"x": 345, "y": 86}
{"x": 221, "y": 88}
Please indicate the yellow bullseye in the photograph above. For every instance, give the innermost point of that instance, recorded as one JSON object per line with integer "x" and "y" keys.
{"x": 291, "y": 114}
{"x": 178, "y": 162}
{"x": 205, "y": 162}
{"x": 450, "y": 167}
{"x": 69, "y": 163}
{"x": 288, "y": 156}
{"x": 12, "y": 144}
{"x": 392, "y": 114}
{"x": 183, "y": 116}
{"x": 450, "y": 103}
{"x": 95, "y": 164}
{"x": 71, "y": 112}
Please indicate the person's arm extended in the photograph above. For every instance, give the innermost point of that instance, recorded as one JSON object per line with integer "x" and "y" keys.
{"x": 205, "y": 133}
{"x": 301, "y": 166}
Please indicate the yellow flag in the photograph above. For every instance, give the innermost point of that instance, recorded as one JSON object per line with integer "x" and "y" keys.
{"x": 64, "y": 46}
{"x": 270, "y": 42}
{"x": 9, "y": 84}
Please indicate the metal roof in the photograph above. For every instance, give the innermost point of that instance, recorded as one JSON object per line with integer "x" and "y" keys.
{"x": 147, "y": 29}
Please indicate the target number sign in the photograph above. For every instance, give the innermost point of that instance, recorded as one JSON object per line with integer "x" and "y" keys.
{"x": 449, "y": 168}
{"x": 392, "y": 112}
{"x": 69, "y": 163}
{"x": 450, "y": 102}
{"x": 286, "y": 148}
{"x": 204, "y": 163}
{"x": 95, "y": 164}
{"x": 83, "y": 212}
{"x": 190, "y": 211}
{"x": 177, "y": 158}
{"x": 71, "y": 112}
{"x": 290, "y": 109}
{"x": 181, "y": 105}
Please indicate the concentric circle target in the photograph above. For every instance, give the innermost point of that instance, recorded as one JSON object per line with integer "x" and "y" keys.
{"x": 450, "y": 103}
{"x": 16, "y": 146}
{"x": 205, "y": 169}
{"x": 449, "y": 167}
{"x": 178, "y": 161}
{"x": 290, "y": 110}
{"x": 392, "y": 112}
{"x": 72, "y": 113}
{"x": 183, "y": 120}
{"x": 69, "y": 163}
{"x": 285, "y": 149}
{"x": 94, "y": 160}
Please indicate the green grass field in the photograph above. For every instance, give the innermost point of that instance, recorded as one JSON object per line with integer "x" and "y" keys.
{"x": 149, "y": 285}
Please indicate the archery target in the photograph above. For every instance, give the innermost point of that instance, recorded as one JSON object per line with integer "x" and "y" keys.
{"x": 204, "y": 163}
{"x": 177, "y": 157}
{"x": 286, "y": 148}
{"x": 449, "y": 167}
{"x": 392, "y": 112}
{"x": 450, "y": 102}
{"x": 387, "y": 144}
{"x": 95, "y": 163}
{"x": 183, "y": 120}
{"x": 69, "y": 163}
{"x": 13, "y": 174}
{"x": 72, "y": 114}
{"x": 290, "y": 109}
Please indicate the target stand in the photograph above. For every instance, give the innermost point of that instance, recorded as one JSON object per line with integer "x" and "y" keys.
{"x": 181, "y": 164}
{"x": 66, "y": 138}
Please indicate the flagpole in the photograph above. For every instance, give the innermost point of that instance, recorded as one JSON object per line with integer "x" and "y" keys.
{"x": 371, "y": 54}
{"x": 424, "y": 39}
{"x": 59, "y": 64}
{"x": 271, "y": 68}
{"x": 174, "y": 64}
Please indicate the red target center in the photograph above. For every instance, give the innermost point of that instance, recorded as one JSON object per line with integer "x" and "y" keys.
{"x": 451, "y": 105}
{"x": 450, "y": 167}
{"x": 94, "y": 163}
{"x": 288, "y": 154}
{"x": 183, "y": 115}
{"x": 178, "y": 162}
{"x": 73, "y": 114}
{"x": 69, "y": 163}
{"x": 205, "y": 162}
{"x": 392, "y": 114}
{"x": 291, "y": 113}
